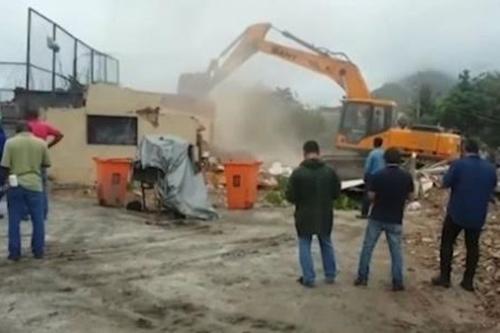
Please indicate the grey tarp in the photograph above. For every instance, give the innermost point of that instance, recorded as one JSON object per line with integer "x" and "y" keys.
{"x": 181, "y": 189}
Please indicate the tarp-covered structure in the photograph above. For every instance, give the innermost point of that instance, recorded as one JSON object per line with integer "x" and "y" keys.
{"x": 182, "y": 188}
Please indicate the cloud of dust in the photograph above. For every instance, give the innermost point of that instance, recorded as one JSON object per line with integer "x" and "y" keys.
{"x": 250, "y": 123}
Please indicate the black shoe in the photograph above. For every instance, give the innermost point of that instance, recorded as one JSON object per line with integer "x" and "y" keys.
{"x": 398, "y": 287}
{"x": 467, "y": 285}
{"x": 38, "y": 256}
{"x": 2, "y": 216}
{"x": 362, "y": 217}
{"x": 305, "y": 284}
{"x": 440, "y": 282}
{"x": 330, "y": 280}
{"x": 12, "y": 258}
{"x": 359, "y": 282}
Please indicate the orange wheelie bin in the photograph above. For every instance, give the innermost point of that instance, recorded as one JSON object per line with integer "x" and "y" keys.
{"x": 112, "y": 180}
{"x": 241, "y": 183}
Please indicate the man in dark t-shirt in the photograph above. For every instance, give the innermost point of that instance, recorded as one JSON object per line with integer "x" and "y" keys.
{"x": 389, "y": 190}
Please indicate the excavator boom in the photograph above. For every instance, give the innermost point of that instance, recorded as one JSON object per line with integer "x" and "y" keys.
{"x": 336, "y": 66}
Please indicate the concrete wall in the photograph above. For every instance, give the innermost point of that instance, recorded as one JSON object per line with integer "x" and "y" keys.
{"x": 111, "y": 100}
{"x": 202, "y": 109}
{"x": 72, "y": 158}
{"x": 114, "y": 100}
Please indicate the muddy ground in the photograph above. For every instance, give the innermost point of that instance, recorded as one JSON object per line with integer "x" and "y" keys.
{"x": 107, "y": 270}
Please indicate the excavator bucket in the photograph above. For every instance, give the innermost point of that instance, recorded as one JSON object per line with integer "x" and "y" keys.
{"x": 194, "y": 84}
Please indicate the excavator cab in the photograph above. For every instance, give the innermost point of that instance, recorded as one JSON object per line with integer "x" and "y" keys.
{"x": 362, "y": 120}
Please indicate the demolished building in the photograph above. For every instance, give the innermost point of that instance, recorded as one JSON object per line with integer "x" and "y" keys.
{"x": 111, "y": 124}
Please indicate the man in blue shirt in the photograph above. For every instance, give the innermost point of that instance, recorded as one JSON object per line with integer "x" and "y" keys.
{"x": 472, "y": 181}
{"x": 374, "y": 162}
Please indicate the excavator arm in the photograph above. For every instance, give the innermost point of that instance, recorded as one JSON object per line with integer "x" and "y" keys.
{"x": 336, "y": 66}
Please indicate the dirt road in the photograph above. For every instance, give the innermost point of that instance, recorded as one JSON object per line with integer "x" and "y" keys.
{"x": 109, "y": 271}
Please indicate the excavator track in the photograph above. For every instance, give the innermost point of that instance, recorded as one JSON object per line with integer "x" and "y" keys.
{"x": 348, "y": 166}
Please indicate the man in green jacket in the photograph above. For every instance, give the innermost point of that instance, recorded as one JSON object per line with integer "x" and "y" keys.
{"x": 312, "y": 188}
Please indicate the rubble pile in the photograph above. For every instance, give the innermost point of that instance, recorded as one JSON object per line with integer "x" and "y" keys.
{"x": 272, "y": 181}
{"x": 424, "y": 245}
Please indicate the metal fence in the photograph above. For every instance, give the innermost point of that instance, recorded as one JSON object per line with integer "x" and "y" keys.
{"x": 12, "y": 75}
{"x": 56, "y": 59}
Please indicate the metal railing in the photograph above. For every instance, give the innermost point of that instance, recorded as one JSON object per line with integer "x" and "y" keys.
{"x": 55, "y": 52}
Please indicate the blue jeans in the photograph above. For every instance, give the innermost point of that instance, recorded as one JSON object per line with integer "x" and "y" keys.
{"x": 18, "y": 200}
{"x": 393, "y": 234}
{"x": 45, "y": 197}
{"x": 306, "y": 261}
{"x": 45, "y": 179}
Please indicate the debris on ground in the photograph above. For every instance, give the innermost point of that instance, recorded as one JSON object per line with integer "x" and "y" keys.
{"x": 275, "y": 199}
{"x": 425, "y": 184}
{"x": 278, "y": 169}
{"x": 344, "y": 202}
{"x": 425, "y": 243}
{"x": 213, "y": 172}
{"x": 267, "y": 181}
{"x": 414, "y": 206}
{"x": 277, "y": 196}
{"x": 353, "y": 183}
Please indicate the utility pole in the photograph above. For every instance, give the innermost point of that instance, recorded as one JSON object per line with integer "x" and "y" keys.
{"x": 28, "y": 52}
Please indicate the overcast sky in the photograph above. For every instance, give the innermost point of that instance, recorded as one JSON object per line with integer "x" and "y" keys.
{"x": 156, "y": 40}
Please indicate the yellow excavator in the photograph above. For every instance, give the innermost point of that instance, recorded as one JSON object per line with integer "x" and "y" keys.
{"x": 363, "y": 117}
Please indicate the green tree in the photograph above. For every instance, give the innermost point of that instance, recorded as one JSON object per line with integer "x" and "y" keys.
{"x": 425, "y": 108}
{"x": 473, "y": 107}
